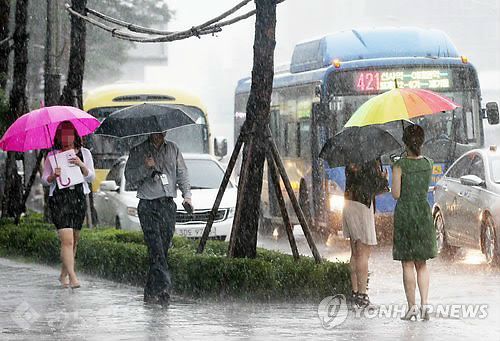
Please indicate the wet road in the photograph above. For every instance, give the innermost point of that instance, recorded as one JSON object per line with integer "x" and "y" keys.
{"x": 34, "y": 306}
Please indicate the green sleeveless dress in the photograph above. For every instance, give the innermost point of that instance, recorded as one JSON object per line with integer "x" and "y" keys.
{"x": 414, "y": 237}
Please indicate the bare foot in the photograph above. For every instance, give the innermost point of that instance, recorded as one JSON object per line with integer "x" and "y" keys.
{"x": 64, "y": 281}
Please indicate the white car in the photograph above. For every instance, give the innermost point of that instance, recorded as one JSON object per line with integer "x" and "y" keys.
{"x": 117, "y": 207}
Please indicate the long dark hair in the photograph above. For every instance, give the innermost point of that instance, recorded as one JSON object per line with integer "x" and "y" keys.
{"x": 57, "y": 136}
{"x": 414, "y": 137}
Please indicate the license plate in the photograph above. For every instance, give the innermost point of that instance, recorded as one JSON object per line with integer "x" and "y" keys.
{"x": 194, "y": 232}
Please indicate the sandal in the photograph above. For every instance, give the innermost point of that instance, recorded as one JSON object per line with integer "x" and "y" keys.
{"x": 424, "y": 312}
{"x": 362, "y": 300}
{"x": 410, "y": 314}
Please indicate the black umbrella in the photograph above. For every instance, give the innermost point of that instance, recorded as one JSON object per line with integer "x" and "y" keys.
{"x": 147, "y": 118}
{"x": 358, "y": 145}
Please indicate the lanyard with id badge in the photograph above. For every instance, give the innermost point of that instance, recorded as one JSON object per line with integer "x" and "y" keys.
{"x": 164, "y": 180}
{"x": 163, "y": 177}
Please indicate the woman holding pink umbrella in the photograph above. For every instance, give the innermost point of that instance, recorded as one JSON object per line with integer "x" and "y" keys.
{"x": 68, "y": 205}
{"x": 59, "y": 128}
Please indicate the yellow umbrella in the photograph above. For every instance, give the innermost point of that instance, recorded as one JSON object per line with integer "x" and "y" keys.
{"x": 399, "y": 104}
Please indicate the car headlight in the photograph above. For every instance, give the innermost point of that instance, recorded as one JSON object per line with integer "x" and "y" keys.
{"x": 336, "y": 202}
{"x": 132, "y": 211}
{"x": 230, "y": 213}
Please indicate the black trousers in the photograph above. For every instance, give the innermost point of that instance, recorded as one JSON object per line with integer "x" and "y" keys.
{"x": 157, "y": 219}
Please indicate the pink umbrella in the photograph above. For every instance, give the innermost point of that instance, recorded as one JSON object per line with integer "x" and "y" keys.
{"x": 36, "y": 129}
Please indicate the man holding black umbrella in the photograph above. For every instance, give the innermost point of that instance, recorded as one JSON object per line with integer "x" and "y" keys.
{"x": 154, "y": 167}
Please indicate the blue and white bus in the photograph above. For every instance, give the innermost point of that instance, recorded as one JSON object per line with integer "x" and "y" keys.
{"x": 329, "y": 78}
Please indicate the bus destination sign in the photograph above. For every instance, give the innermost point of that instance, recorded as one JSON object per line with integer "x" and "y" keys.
{"x": 368, "y": 81}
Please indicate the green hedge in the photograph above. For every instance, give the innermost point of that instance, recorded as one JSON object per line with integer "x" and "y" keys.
{"x": 122, "y": 256}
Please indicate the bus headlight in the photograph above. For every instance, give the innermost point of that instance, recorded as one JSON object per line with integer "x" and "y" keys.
{"x": 336, "y": 202}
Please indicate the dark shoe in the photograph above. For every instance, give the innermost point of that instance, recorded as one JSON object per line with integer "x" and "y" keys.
{"x": 151, "y": 299}
{"x": 164, "y": 298}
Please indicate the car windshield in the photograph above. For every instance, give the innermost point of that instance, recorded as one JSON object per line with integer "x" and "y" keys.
{"x": 204, "y": 173}
{"x": 495, "y": 170}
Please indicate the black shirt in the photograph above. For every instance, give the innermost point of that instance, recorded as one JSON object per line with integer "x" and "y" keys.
{"x": 363, "y": 183}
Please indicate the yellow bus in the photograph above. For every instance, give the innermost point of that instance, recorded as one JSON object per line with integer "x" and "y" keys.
{"x": 101, "y": 102}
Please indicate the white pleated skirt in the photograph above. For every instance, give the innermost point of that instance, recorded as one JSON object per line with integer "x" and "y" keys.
{"x": 358, "y": 222}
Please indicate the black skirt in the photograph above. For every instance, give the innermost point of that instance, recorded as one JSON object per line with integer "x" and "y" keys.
{"x": 67, "y": 207}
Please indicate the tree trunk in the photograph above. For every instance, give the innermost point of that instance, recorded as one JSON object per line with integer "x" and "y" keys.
{"x": 5, "y": 47}
{"x": 72, "y": 92}
{"x": 52, "y": 77}
{"x": 17, "y": 106}
{"x": 258, "y": 108}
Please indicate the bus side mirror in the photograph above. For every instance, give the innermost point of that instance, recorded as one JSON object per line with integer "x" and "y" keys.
{"x": 492, "y": 112}
{"x": 220, "y": 146}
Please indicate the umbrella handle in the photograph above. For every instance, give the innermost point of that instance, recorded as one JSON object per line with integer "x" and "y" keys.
{"x": 66, "y": 184}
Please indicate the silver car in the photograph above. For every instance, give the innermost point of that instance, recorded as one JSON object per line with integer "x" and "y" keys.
{"x": 117, "y": 206}
{"x": 467, "y": 204}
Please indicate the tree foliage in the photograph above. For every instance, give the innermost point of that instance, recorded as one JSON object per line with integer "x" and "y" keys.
{"x": 105, "y": 54}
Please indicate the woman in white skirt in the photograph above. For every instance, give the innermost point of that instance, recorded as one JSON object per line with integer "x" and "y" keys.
{"x": 363, "y": 182}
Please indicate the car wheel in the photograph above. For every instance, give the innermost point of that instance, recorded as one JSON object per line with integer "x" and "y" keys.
{"x": 118, "y": 225}
{"x": 489, "y": 244}
{"x": 443, "y": 248}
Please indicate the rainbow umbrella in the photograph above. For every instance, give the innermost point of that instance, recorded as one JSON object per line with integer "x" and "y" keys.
{"x": 399, "y": 104}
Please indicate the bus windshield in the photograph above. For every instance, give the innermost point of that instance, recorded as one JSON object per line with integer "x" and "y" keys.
{"x": 461, "y": 125}
{"x": 458, "y": 125}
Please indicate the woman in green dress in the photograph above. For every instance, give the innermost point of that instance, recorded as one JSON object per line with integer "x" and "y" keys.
{"x": 414, "y": 238}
